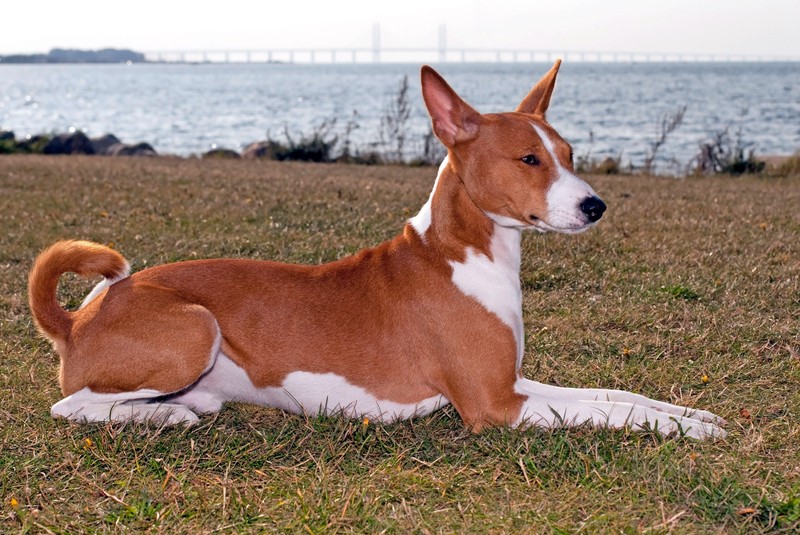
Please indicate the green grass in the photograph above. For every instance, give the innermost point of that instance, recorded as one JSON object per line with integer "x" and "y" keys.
{"x": 688, "y": 291}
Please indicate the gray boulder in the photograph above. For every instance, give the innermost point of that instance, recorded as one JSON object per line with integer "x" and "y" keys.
{"x": 260, "y": 149}
{"x": 76, "y": 143}
{"x": 139, "y": 149}
{"x": 102, "y": 143}
{"x": 221, "y": 154}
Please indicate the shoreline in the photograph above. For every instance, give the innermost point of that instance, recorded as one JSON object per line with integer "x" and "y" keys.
{"x": 317, "y": 151}
{"x": 186, "y": 109}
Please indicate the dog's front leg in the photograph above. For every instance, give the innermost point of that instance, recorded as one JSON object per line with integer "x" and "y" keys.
{"x": 551, "y": 406}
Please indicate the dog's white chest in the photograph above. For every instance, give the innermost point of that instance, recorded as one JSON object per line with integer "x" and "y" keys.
{"x": 494, "y": 282}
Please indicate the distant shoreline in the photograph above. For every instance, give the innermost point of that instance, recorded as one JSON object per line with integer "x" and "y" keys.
{"x": 326, "y": 56}
{"x": 64, "y": 55}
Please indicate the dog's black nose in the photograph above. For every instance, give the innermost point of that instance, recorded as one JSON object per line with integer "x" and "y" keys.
{"x": 593, "y": 207}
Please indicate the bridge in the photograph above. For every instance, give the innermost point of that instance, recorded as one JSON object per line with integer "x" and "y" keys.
{"x": 441, "y": 54}
{"x": 463, "y": 55}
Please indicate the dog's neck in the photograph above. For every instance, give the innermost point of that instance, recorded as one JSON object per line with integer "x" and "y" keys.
{"x": 451, "y": 222}
{"x": 483, "y": 254}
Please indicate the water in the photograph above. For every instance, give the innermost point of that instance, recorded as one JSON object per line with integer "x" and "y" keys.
{"x": 602, "y": 109}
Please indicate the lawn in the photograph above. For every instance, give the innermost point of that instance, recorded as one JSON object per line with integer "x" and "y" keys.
{"x": 687, "y": 291}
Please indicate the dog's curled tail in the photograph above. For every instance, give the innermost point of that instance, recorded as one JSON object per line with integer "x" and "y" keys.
{"x": 85, "y": 258}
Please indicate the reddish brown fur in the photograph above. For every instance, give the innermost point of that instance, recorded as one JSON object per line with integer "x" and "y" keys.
{"x": 389, "y": 319}
{"x": 494, "y": 177}
{"x": 84, "y": 258}
{"x": 137, "y": 335}
{"x": 498, "y": 181}
{"x": 538, "y": 100}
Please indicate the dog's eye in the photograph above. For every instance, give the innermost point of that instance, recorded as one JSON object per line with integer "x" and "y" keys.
{"x": 530, "y": 159}
{"x": 571, "y": 157}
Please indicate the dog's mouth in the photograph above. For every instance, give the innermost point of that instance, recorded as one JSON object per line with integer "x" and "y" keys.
{"x": 569, "y": 221}
{"x": 544, "y": 227}
{"x": 539, "y": 224}
{"x": 534, "y": 222}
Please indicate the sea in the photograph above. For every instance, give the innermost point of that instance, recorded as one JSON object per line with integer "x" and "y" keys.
{"x": 603, "y": 109}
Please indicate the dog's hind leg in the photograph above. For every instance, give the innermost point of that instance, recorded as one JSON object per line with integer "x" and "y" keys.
{"x": 134, "y": 350}
{"x": 87, "y": 406}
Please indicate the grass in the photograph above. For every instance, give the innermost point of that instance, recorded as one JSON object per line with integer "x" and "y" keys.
{"x": 689, "y": 291}
{"x": 790, "y": 166}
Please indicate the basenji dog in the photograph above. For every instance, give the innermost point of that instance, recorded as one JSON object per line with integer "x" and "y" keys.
{"x": 431, "y": 317}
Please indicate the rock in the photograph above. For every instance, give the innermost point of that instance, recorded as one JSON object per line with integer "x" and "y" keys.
{"x": 102, "y": 143}
{"x": 76, "y": 143}
{"x": 609, "y": 166}
{"x": 221, "y": 154}
{"x": 7, "y": 135}
{"x": 260, "y": 149}
{"x": 140, "y": 149}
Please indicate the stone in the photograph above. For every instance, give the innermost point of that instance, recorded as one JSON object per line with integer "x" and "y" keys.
{"x": 609, "y": 166}
{"x": 140, "y": 149}
{"x": 221, "y": 154}
{"x": 76, "y": 143}
{"x": 102, "y": 143}
{"x": 259, "y": 149}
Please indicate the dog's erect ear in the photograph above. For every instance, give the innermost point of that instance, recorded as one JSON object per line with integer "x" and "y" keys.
{"x": 538, "y": 99}
{"x": 453, "y": 119}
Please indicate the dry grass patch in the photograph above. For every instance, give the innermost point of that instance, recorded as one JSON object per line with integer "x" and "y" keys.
{"x": 689, "y": 291}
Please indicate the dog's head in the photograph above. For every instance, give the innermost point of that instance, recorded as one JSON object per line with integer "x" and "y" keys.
{"x": 515, "y": 167}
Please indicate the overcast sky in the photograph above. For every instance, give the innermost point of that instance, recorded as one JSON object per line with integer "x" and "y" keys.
{"x": 750, "y": 27}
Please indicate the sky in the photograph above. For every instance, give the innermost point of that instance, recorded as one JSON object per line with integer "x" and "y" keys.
{"x": 740, "y": 27}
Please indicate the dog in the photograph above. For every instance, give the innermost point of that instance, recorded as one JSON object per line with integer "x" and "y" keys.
{"x": 431, "y": 317}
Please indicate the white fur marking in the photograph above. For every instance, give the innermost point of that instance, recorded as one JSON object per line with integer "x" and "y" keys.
{"x": 550, "y": 406}
{"x": 301, "y": 392}
{"x": 422, "y": 221}
{"x": 564, "y": 196}
{"x": 495, "y": 283}
{"x": 330, "y": 393}
{"x": 87, "y": 406}
{"x": 508, "y": 222}
{"x": 106, "y": 283}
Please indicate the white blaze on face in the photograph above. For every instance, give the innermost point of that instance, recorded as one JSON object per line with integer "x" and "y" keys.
{"x": 564, "y": 197}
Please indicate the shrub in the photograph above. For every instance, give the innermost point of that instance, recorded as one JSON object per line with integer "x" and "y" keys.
{"x": 315, "y": 147}
{"x": 668, "y": 124}
{"x": 433, "y": 152}
{"x": 727, "y": 154}
{"x": 34, "y": 144}
{"x": 30, "y": 145}
{"x": 394, "y": 123}
{"x": 8, "y": 146}
{"x": 370, "y": 157}
{"x": 586, "y": 165}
